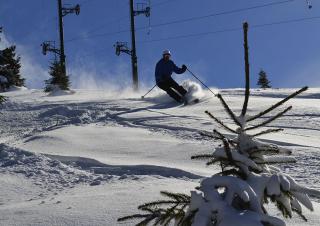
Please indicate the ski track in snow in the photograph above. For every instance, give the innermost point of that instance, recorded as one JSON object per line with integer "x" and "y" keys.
{"x": 29, "y": 115}
{"x": 25, "y": 119}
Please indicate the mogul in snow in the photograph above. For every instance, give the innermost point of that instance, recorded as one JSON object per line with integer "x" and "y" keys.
{"x": 164, "y": 69}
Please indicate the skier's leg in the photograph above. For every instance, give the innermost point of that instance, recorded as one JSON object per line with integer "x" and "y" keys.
{"x": 177, "y": 87}
{"x": 165, "y": 86}
{"x": 174, "y": 95}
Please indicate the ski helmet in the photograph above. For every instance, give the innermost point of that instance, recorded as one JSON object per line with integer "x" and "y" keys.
{"x": 166, "y": 52}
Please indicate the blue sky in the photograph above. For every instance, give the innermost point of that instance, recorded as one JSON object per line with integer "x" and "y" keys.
{"x": 289, "y": 53}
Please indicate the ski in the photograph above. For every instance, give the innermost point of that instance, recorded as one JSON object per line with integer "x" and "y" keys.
{"x": 189, "y": 102}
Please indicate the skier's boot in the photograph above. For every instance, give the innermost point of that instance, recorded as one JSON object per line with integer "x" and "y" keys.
{"x": 184, "y": 100}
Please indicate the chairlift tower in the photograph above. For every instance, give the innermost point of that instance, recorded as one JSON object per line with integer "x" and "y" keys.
{"x": 309, "y": 4}
{"x": 1, "y": 29}
{"x": 63, "y": 11}
{"x": 141, "y": 8}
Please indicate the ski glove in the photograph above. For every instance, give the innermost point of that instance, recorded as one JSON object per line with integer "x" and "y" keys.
{"x": 184, "y": 67}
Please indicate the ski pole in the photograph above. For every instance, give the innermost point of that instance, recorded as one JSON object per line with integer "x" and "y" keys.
{"x": 201, "y": 82}
{"x": 148, "y": 91}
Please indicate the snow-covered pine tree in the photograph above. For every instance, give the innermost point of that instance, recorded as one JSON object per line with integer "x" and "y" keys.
{"x": 58, "y": 80}
{"x": 10, "y": 67}
{"x": 248, "y": 179}
{"x": 263, "y": 80}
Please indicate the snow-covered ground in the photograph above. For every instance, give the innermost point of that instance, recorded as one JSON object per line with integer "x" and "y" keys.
{"x": 91, "y": 157}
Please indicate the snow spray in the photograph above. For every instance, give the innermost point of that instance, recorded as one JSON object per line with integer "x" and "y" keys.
{"x": 194, "y": 90}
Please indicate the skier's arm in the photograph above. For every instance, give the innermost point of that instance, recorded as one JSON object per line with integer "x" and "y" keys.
{"x": 178, "y": 70}
{"x": 158, "y": 72}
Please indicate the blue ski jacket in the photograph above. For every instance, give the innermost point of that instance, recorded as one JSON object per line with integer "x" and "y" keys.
{"x": 164, "y": 70}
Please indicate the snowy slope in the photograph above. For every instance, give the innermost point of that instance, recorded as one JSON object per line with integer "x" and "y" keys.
{"x": 93, "y": 156}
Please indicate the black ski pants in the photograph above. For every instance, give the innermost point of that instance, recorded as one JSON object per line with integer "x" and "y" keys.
{"x": 173, "y": 89}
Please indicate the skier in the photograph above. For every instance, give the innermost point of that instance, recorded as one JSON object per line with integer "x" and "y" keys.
{"x": 164, "y": 69}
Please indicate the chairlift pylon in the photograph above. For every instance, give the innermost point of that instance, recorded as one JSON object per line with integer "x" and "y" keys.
{"x": 309, "y": 4}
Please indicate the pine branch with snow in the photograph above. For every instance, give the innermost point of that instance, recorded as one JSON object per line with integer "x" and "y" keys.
{"x": 267, "y": 132}
{"x": 2, "y": 99}
{"x": 277, "y": 104}
{"x": 162, "y": 212}
{"x": 220, "y": 122}
{"x": 270, "y": 119}
{"x": 228, "y": 110}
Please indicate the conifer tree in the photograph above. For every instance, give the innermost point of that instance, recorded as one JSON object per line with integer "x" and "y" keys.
{"x": 10, "y": 67}
{"x": 248, "y": 179}
{"x": 58, "y": 78}
{"x": 2, "y": 99}
{"x": 263, "y": 80}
